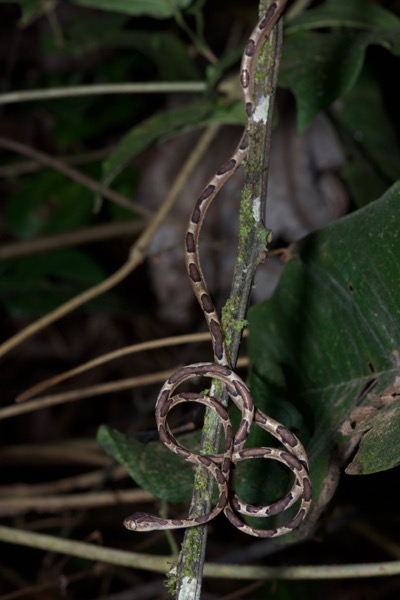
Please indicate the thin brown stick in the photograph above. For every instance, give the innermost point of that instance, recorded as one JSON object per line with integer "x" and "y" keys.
{"x": 58, "y": 583}
{"x": 81, "y": 393}
{"x": 159, "y": 564}
{"x": 388, "y": 545}
{"x": 116, "y": 354}
{"x": 90, "y": 391}
{"x": 85, "y": 235}
{"x": 105, "y": 358}
{"x": 83, "y": 481}
{"x": 137, "y": 253}
{"x": 160, "y": 87}
{"x": 23, "y": 167}
{"x": 53, "y": 504}
{"x": 75, "y": 175}
{"x": 78, "y": 453}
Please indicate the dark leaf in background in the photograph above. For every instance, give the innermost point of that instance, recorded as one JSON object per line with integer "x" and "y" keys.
{"x": 151, "y": 464}
{"x": 159, "y": 9}
{"x": 331, "y": 331}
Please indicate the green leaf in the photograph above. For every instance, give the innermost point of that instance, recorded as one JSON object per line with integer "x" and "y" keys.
{"x": 331, "y": 331}
{"x": 47, "y": 202}
{"x": 160, "y": 9}
{"x": 369, "y": 138}
{"x": 379, "y": 446}
{"x": 319, "y": 68}
{"x": 163, "y": 125}
{"x": 163, "y": 48}
{"x": 357, "y": 14}
{"x": 37, "y": 284}
{"x": 151, "y": 465}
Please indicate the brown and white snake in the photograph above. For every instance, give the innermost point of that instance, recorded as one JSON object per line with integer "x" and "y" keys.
{"x": 221, "y": 465}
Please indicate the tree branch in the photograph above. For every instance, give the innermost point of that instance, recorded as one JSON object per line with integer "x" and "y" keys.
{"x": 158, "y": 564}
{"x": 253, "y": 237}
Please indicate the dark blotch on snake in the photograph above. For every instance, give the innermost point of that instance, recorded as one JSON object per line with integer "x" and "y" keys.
{"x": 222, "y": 500}
{"x": 225, "y": 467}
{"x": 292, "y": 461}
{"x": 250, "y": 46}
{"x": 163, "y": 411}
{"x": 194, "y": 273}
{"x": 280, "y": 505}
{"x": 249, "y": 108}
{"x": 206, "y": 193}
{"x": 307, "y": 489}
{"x": 233, "y": 518}
{"x": 177, "y": 375}
{"x": 260, "y": 418}
{"x": 241, "y": 434}
{"x": 287, "y": 436}
{"x": 190, "y": 396}
{"x": 204, "y": 460}
{"x": 220, "y": 369}
{"x": 221, "y": 412}
{"x": 207, "y": 303}
{"x": 183, "y": 452}
{"x": 219, "y": 477}
{"x": 268, "y": 16}
{"x": 196, "y": 214}
{"x": 243, "y": 391}
{"x": 244, "y": 142}
{"x": 190, "y": 245}
{"x": 216, "y": 332}
{"x": 232, "y": 391}
{"x": 294, "y": 523}
{"x": 252, "y": 509}
{"x": 235, "y": 503}
{"x": 228, "y": 166}
{"x": 201, "y": 520}
{"x": 163, "y": 435}
{"x": 163, "y": 396}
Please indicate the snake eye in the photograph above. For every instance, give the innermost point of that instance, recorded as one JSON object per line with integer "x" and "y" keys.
{"x": 130, "y": 523}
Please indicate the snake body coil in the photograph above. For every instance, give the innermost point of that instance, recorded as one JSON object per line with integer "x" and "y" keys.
{"x": 220, "y": 465}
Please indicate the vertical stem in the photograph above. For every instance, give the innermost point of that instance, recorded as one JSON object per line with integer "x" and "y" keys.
{"x": 186, "y": 577}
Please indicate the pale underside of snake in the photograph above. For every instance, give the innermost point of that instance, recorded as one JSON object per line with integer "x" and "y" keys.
{"x": 221, "y": 465}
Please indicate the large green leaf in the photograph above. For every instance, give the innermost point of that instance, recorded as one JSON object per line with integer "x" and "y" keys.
{"x": 331, "y": 333}
{"x": 321, "y": 67}
{"x": 164, "y": 48}
{"x": 357, "y": 14}
{"x": 33, "y": 285}
{"x": 379, "y": 446}
{"x": 165, "y": 124}
{"x": 151, "y": 465}
{"x": 372, "y": 147}
{"x": 160, "y": 9}
{"x": 48, "y": 202}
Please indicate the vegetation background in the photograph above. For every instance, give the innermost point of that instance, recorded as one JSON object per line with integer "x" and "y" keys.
{"x": 323, "y": 349}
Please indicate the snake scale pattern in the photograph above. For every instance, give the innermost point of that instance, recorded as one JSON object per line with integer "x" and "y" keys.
{"x": 221, "y": 466}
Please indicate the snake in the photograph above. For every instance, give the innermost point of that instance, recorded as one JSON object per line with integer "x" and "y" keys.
{"x": 221, "y": 466}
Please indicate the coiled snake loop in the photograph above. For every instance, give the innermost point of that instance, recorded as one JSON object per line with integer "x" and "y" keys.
{"x": 221, "y": 465}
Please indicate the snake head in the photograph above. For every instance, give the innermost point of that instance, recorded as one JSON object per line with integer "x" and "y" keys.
{"x": 130, "y": 522}
{"x": 142, "y": 521}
